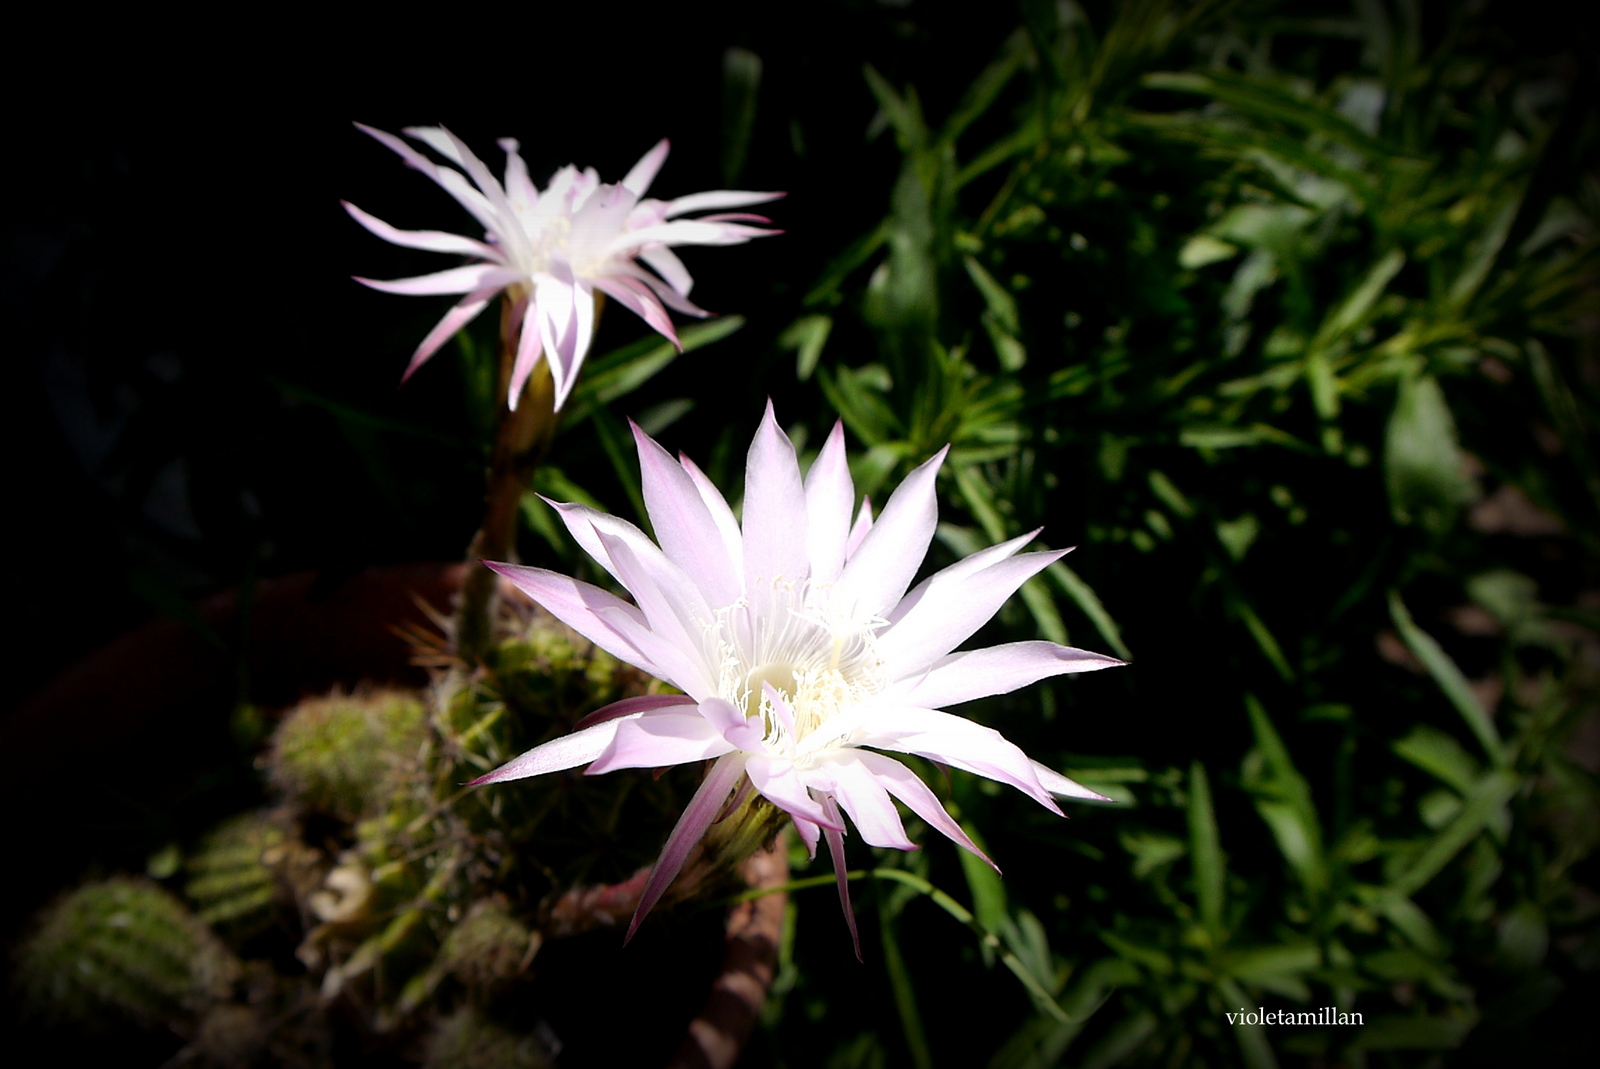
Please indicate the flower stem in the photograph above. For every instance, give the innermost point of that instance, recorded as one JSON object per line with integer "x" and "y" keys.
{"x": 521, "y": 439}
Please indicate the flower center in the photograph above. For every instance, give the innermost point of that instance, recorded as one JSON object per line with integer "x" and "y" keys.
{"x": 821, "y": 663}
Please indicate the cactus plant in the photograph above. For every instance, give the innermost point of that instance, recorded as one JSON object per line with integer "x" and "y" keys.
{"x": 126, "y": 948}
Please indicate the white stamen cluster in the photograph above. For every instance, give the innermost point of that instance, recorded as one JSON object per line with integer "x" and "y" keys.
{"x": 820, "y": 661}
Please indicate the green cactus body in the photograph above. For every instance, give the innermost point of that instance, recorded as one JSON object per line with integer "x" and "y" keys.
{"x": 124, "y": 946}
{"x": 339, "y": 755}
{"x": 231, "y": 881}
{"x": 488, "y": 946}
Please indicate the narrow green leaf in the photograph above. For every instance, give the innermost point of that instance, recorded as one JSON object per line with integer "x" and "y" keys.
{"x": 1088, "y": 602}
{"x": 988, "y": 893}
{"x": 805, "y": 337}
{"x": 1422, "y": 462}
{"x": 1285, "y": 803}
{"x": 983, "y": 91}
{"x": 623, "y": 463}
{"x": 1448, "y": 678}
{"x": 1440, "y": 755}
{"x": 1254, "y": 1049}
{"x": 903, "y": 113}
{"x": 741, "y": 86}
{"x": 1351, "y": 312}
{"x": 1205, "y": 850}
{"x": 621, "y": 371}
{"x": 1481, "y": 806}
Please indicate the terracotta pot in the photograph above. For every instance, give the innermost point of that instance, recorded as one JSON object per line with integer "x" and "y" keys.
{"x": 134, "y": 724}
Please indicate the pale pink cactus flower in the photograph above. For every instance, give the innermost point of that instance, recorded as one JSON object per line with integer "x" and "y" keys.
{"x": 800, "y": 652}
{"x": 555, "y": 248}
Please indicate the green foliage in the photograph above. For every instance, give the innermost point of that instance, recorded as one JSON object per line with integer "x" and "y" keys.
{"x": 1277, "y": 317}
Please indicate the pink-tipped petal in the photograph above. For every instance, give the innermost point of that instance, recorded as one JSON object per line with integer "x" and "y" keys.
{"x": 1062, "y": 787}
{"x": 674, "y": 608}
{"x": 643, "y": 703}
{"x": 717, "y": 505}
{"x": 659, "y": 739}
{"x": 665, "y": 262}
{"x": 602, "y": 618}
{"x": 530, "y": 346}
{"x": 683, "y": 232}
{"x": 427, "y": 240}
{"x": 810, "y": 834}
{"x": 901, "y": 782}
{"x": 717, "y": 198}
{"x": 697, "y": 817}
{"x": 883, "y": 565}
{"x": 841, "y": 874}
{"x": 683, "y": 525}
{"x": 569, "y": 751}
{"x": 644, "y": 172}
{"x": 637, "y": 298}
{"x": 955, "y": 741}
{"x": 455, "y": 280}
{"x": 774, "y": 509}
{"x": 830, "y": 495}
{"x": 453, "y": 182}
{"x": 947, "y": 612}
{"x": 464, "y": 312}
{"x": 961, "y": 677}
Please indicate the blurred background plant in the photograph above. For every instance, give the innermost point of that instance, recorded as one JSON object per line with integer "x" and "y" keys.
{"x": 1287, "y": 314}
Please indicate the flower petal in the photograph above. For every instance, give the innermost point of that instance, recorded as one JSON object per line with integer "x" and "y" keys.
{"x": 904, "y": 785}
{"x": 1062, "y": 787}
{"x": 867, "y": 802}
{"x": 429, "y": 240}
{"x": 658, "y": 739}
{"x": 638, "y": 298}
{"x": 961, "y": 677}
{"x": 840, "y": 873}
{"x": 569, "y": 751}
{"x": 729, "y": 720}
{"x": 454, "y": 280}
{"x": 830, "y": 495}
{"x": 665, "y": 262}
{"x": 643, "y": 703}
{"x": 774, "y": 509}
{"x": 520, "y": 190}
{"x": 887, "y": 560}
{"x": 858, "y": 532}
{"x": 603, "y": 618}
{"x": 955, "y": 741}
{"x": 781, "y": 785}
{"x": 683, "y": 525}
{"x": 697, "y": 817}
{"x": 717, "y": 505}
{"x": 674, "y": 608}
{"x": 644, "y": 172}
{"x": 530, "y": 346}
{"x": 951, "y": 605}
{"x": 717, "y": 198}
{"x": 465, "y": 311}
